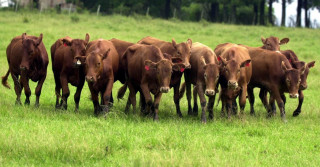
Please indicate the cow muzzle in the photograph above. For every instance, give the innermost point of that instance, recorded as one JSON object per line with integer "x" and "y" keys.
{"x": 187, "y": 66}
{"x": 90, "y": 79}
{"x": 164, "y": 89}
{"x": 209, "y": 92}
{"x": 233, "y": 84}
{"x": 303, "y": 87}
{"x": 294, "y": 95}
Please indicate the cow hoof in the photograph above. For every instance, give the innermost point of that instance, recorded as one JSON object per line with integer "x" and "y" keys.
{"x": 18, "y": 102}
{"x": 252, "y": 113}
{"x": 284, "y": 120}
{"x": 211, "y": 117}
{"x": 180, "y": 115}
{"x": 76, "y": 110}
{"x": 27, "y": 102}
{"x": 296, "y": 113}
{"x": 156, "y": 118}
{"x": 37, "y": 105}
{"x": 204, "y": 120}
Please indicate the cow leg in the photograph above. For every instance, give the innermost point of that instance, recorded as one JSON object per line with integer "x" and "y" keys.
{"x": 65, "y": 91}
{"x": 263, "y": 98}
{"x": 77, "y": 96}
{"x": 147, "y": 97}
{"x": 210, "y": 106}
{"x": 195, "y": 101}
{"x": 242, "y": 99}
{"x": 188, "y": 93}
{"x": 298, "y": 110}
{"x": 38, "y": 89}
{"x": 57, "y": 89}
{"x": 277, "y": 96}
{"x": 131, "y": 99}
{"x": 200, "y": 90}
{"x": 25, "y": 82}
{"x": 251, "y": 100}
{"x": 223, "y": 105}
{"x": 107, "y": 95}
{"x": 142, "y": 103}
{"x": 284, "y": 99}
{"x": 17, "y": 87}
{"x": 157, "y": 99}
{"x": 176, "y": 99}
{"x": 272, "y": 107}
{"x": 111, "y": 101}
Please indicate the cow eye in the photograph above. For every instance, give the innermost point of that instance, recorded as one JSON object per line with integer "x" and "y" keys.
{"x": 205, "y": 75}
{"x": 98, "y": 64}
{"x": 179, "y": 53}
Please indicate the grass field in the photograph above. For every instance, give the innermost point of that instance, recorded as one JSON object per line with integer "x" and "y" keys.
{"x": 42, "y": 136}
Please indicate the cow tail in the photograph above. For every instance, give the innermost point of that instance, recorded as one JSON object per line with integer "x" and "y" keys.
{"x": 182, "y": 90}
{"x": 122, "y": 90}
{"x": 5, "y": 80}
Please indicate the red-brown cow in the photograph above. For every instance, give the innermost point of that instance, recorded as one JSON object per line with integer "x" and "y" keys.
{"x": 102, "y": 63}
{"x": 147, "y": 71}
{"x": 27, "y": 56}
{"x": 272, "y": 71}
{"x": 182, "y": 51}
{"x": 68, "y": 68}
{"x": 236, "y": 73}
{"x": 204, "y": 74}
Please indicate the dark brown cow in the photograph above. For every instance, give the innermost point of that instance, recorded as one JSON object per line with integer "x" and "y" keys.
{"x": 294, "y": 61}
{"x": 273, "y": 43}
{"x": 204, "y": 74}
{"x": 147, "y": 71}
{"x": 68, "y": 68}
{"x": 102, "y": 63}
{"x": 182, "y": 51}
{"x": 272, "y": 71}
{"x": 27, "y": 56}
{"x": 121, "y": 47}
{"x": 236, "y": 73}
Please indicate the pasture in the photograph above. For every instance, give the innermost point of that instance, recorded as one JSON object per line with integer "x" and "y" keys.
{"x": 47, "y": 137}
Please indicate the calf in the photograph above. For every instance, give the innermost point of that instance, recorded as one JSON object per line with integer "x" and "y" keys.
{"x": 272, "y": 71}
{"x": 273, "y": 43}
{"x": 102, "y": 63}
{"x": 68, "y": 68}
{"x": 27, "y": 57}
{"x": 204, "y": 74}
{"x": 147, "y": 71}
{"x": 235, "y": 75}
{"x": 182, "y": 51}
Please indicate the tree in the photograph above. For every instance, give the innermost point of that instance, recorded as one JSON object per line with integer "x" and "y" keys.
{"x": 255, "y": 13}
{"x": 167, "y": 9}
{"x": 270, "y": 15}
{"x": 299, "y": 7}
{"x": 262, "y": 5}
{"x": 283, "y": 16}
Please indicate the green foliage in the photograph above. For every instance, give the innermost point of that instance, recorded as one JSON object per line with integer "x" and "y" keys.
{"x": 25, "y": 20}
{"x": 47, "y": 137}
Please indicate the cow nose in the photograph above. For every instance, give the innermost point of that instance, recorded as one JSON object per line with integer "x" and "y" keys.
{"x": 164, "y": 89}
{"x": 22, "y": 68}
{"x": 232, "y": 84}
{"x": 209, "y": 92}
{"x": 188, "y": 66}
{"x": 89, "y": 78}
{"x": 294, "y": 95}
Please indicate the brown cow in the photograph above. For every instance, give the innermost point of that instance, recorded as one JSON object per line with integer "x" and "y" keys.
{"x": 121, "y": 47}
{"x": 236, "y": 73}
{"x": 67, "y": 68}
{"x": 294, "y": 61}
{"x": 147, "y": 71}
{"x": 102, "y": 63}
{"x": 27, "y": 56}
{"x": 204, "y": 74}
{"x": 273, "y": 43}
{"x": 182, "y": 51}
{"x": 272, "y": 71}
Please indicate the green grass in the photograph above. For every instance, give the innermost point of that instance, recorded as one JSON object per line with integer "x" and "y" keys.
{"x": 46, "y": 137}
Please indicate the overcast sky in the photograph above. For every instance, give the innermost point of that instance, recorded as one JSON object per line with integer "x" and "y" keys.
{"x": 292, "y": 12}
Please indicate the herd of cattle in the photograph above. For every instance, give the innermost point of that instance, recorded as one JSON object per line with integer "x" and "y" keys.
{"x": 154, "y": 66}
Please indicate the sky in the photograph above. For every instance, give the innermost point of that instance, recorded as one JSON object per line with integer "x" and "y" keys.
{"x": 292, "y": 12}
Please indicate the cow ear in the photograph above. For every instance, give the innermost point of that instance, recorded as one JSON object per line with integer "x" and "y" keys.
{"x": 174, "y": 44}
{"x": 311, "y": 64}
{"x": 39, "y": 40}
{"x": 284, "y": 41}
{"x": 176, "y": 60}
{"x": 149, "y": 64}
{"x": 283, "y": 66}
{"x": 263, "y": 39}
{"x": 167, "y": 56}
{"x": 105, "y": 55}
{"x": 178, "y": 67}
{"x": 87, "y": 38}
{"x": 189, "y": 42}
{"x": 245, "y": 63}
{"x": 221, "y": 60}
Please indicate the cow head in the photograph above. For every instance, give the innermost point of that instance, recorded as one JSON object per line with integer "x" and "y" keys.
{"x": 183, "y": 51}
{"x": 78, "y": 48}
{"x": 303, "y": 77}
{"x": 231, "y": 70}
{"x": 30, "y": 50}
{"x": 94, "y": 65}
{"x": 211, "y": 76}
{"x": 163, "y": 70}
{"x": 273, "y": 43}
{"x": 292, "y": 79}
